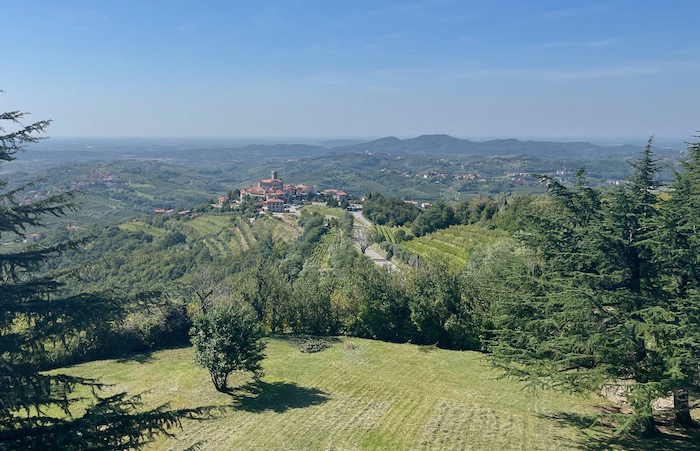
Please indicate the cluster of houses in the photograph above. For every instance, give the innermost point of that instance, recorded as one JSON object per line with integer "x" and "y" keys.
{"x": 435, "y": 174}
{"x": 95, "y": 178}
{"x": 274, "y": 195}
{"x": 271, "y": 195}
{"x": 421, "y": 205}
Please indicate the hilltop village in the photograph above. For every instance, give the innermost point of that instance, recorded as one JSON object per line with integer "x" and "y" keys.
{"x": 274, "y": 195}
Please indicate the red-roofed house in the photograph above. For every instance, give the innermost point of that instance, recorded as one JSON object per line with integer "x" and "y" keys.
{"x": 276, "y": 194}
{"x": 303, "y": 190}
{"x": 253, "y": 191}
{"x": 337, "y": 194}
{"x": 271, "y": 183}
{"x": 33, "y": 237}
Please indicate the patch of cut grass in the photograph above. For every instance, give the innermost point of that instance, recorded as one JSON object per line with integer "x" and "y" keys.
{"x": 325, "y": 211}
{"x": 357, "y": 394}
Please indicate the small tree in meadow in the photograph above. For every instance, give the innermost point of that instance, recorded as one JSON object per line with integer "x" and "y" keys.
{"x": 227, "y": 338}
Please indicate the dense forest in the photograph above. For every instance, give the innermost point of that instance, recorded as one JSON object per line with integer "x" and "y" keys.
{"x": 580, "y": 289}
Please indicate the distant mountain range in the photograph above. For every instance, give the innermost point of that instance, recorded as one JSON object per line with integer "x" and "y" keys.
{"x": 445, "y": 144}
{"x": 85, "y": 149}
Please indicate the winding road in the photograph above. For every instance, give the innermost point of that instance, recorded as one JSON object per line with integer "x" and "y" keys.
{"x": 361, "y": 221}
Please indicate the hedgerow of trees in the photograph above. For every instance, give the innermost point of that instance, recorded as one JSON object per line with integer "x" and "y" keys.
{"x": 388, "y": 210}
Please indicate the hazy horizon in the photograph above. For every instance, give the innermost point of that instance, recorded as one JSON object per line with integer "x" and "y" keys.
{"x": 659, "y": 141}
{"x": 386, "y": 67}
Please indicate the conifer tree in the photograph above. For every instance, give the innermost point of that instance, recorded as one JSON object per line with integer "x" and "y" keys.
{"x": 592, "y": 309}
{"x": 678, "y": 252}
{"x": 38, "y": 409}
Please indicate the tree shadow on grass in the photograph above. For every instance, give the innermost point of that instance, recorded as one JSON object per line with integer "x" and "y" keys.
{"x": 279, "y": 397}
{"x": 600, "y": 433}
{"x": 144, "y": 357}
{"x": 297, "y": 339}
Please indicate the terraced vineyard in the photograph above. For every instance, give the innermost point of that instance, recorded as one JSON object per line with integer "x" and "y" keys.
{"x": 220, "y": 234}
{"x": 284, "y": 228}
{"x": 387, "y": 232}
{"x": 328, "y": 246}
{"x": 452, "y": 245}
{"x": 358, "y": 394}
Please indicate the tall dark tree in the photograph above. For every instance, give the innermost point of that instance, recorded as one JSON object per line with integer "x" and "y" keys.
{"x": 678, "y": 252}
{"x": 37, "y": 319}
{"x": 589, "y": 309}
{"x": 631, "y": 222}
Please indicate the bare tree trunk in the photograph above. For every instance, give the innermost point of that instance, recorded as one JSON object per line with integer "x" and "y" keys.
{"x": 682, "y": 408}
{"x": 649, "y": 427}
{"x": 361, "y": 239}
{"x": 219, "y": 381}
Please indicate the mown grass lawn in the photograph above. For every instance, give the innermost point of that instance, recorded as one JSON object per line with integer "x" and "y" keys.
{"x": 358, "y": 394}
{"x": 324, "y": 210}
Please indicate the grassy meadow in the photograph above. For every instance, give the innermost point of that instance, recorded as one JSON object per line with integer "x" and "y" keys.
{"x": 357, "y": 394}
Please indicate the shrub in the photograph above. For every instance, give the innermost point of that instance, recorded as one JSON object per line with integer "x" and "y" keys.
{"x": 227, "y": 338}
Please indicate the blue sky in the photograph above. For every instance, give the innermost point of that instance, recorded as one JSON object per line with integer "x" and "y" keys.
{"x": 360, "y": 68}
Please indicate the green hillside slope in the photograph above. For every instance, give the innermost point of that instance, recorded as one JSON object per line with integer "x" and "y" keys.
{"x": 358, "y": 394}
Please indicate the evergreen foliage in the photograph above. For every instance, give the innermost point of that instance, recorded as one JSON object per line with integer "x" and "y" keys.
{"x": 592, "y": 307}
{"x": 40, "y": 320}
{"x": 677, "y": 251}
{"x": 598, "y": 288}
